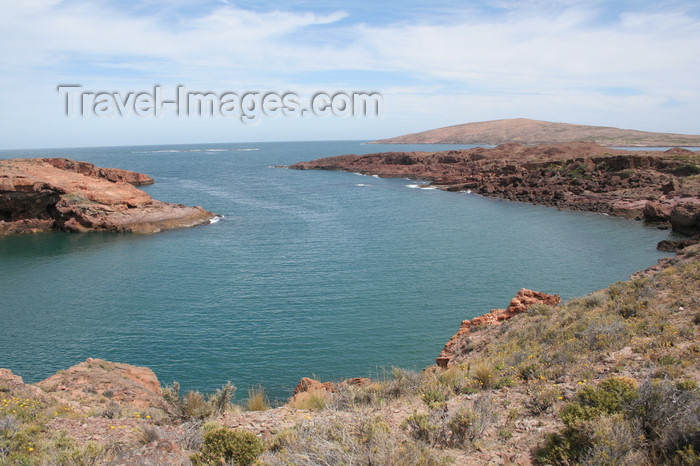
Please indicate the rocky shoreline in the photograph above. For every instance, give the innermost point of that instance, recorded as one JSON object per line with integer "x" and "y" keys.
{"x": 500, "y": 385}
{"x": 60, "y": 194}
{"x": 655, "y": 186}
{"x": 119, "y": 414}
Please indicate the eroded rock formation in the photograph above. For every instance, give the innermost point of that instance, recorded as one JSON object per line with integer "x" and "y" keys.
{"x": 62, "y": 194}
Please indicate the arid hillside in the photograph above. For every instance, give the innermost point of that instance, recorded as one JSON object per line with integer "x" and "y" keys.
{"x": 526, "y": 131}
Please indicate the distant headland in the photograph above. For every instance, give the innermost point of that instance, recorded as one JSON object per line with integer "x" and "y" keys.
{"x": 526, "y": 131}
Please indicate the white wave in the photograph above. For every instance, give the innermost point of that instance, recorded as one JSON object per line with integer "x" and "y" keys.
{"x": 413, "y": 186}
{"x": 361, "y": 184}
{"x": 429, "y": 188}
{"x": 215, "y": 219}
{"x": 375, "y": 176}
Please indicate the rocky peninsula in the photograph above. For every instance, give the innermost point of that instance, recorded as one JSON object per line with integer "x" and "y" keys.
{"x": 656, "y": 186}
{"x": 60, "y": 194}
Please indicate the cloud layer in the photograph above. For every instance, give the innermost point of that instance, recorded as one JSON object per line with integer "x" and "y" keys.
{"x": 624, "y": 65}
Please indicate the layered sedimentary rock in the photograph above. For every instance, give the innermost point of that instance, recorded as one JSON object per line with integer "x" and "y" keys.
{"x": 62, "y": 194}
{"x": 458, "y": 344}
{"x": 656, "y": 186}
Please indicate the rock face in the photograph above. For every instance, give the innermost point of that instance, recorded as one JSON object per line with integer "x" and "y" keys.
{"x": 62, "y": 194}
{"x": 457, "y": 345}
{"x": 652, "y": 185}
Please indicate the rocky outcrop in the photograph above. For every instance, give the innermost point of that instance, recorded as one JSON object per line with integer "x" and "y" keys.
{"x": 62, "y": 194}
{"x": 308, "y": 387}
{"x": 458, "y": 344}
{"x": 307, "y": 384}
{"x": 97, "y": 382}
{"x": 652, "y": 185}
{"x": 114, "y": 175}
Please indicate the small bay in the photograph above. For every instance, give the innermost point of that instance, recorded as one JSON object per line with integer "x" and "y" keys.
{"x": 308, "y": 273}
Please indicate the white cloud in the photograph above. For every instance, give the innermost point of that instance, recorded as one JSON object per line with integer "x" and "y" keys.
{"x": 548, "y": 59}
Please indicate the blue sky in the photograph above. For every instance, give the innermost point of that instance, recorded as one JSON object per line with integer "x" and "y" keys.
{"x": 630, "y": 64}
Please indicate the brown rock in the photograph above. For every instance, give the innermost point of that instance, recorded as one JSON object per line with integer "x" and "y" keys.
{"x": 685, "y": 217}
{"x": 61, "y": 194}
{"x": 657, "y": 212}
{"x": 459, "y": 342}
{"x": 307, "y": 384}
{"x": 114, "y": 175}
{"x": 355, "y": 382}
{"x": 98, "y": 382}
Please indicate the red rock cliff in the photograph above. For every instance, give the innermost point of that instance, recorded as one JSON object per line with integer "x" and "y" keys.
{"x": 61, "y": 194}
{"x": 525, "y": 298}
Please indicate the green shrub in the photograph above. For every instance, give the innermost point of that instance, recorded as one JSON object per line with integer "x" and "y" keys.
{"x": 687, "y": 169}
{"x": 610, "y": 396}
{"x": 687, "y": 385}
{"x": 615, "y": 423}
{"x": 434, "y": 396}
{"x": 224, "y": 445}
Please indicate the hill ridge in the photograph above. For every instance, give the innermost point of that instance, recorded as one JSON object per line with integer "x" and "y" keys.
{"x": 528, "y": 131}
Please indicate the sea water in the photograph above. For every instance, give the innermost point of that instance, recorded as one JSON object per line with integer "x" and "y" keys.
{"x": 307, "y": 273}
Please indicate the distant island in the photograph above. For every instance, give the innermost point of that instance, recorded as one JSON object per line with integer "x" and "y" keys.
{"x": 526, "y": 131}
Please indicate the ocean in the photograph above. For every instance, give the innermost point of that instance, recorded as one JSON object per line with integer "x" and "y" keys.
{"x": 308, "y": 273}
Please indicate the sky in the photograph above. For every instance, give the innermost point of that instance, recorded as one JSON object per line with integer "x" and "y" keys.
{"x": 628, "y": 64}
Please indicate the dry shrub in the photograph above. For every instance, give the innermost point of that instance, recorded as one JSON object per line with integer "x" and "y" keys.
{"x": 194, "y": 406}
{"x": 149, "y": 434}
{"x": 362, "y": 440}
{"x": 485, "y": 376}
{"x": 460, "y": 429}
{"x": 541, "y": 400}
{"x": 313, "y": 400}
{"x": 257, "y": 399}
{"x": 468, "y": 424}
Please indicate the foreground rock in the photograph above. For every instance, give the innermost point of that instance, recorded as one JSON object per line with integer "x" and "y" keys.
{"x": 523, "y": 300}
{"x": 656, "y": 186}
{"x": 61, "y": 194}
{"x": 99, "y": 383}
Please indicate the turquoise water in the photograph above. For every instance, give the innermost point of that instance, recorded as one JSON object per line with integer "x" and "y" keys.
{"x": 309, "y": 273}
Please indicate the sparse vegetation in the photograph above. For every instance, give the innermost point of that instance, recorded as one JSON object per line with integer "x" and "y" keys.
{"x": 608, "y": 378}
{"x": 222, "y": 445}
{"x": 257, "y": 399}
